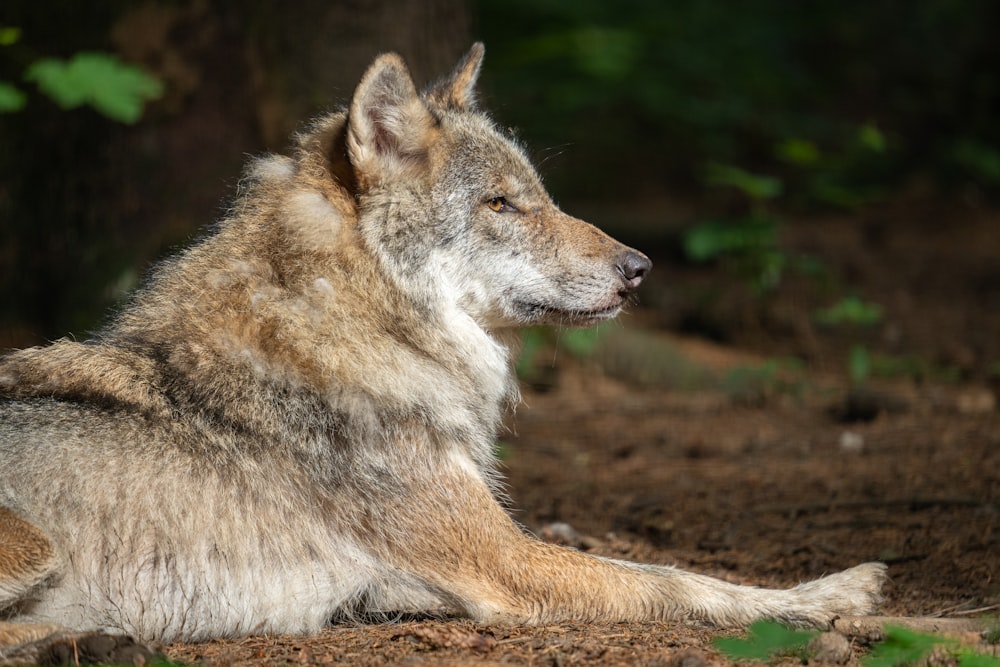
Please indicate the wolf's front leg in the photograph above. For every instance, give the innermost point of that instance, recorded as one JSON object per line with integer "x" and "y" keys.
{"x": 454, "y": 536}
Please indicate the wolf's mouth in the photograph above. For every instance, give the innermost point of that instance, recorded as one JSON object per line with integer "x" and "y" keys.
{"x": 539, "y": 312}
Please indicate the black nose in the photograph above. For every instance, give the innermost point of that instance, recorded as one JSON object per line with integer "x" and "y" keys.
{"x": 633, "y": 267}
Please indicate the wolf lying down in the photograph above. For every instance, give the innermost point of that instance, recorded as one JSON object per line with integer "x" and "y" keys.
{"x": 294, "y": 420}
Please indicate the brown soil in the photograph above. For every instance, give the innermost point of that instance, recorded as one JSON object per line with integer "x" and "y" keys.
{"x": 761, "y": 484}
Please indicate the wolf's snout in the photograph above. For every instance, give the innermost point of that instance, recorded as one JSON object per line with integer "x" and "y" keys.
{"x": 633, "y": 267}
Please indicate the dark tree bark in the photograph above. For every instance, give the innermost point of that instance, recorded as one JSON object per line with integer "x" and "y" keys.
{"x": 87, "y": 204}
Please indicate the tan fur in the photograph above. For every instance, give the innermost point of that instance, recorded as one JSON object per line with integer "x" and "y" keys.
{"x": 294, "y": 420}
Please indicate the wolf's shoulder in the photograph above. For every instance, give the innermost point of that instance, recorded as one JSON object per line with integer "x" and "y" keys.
{"x": 87, "y": 373}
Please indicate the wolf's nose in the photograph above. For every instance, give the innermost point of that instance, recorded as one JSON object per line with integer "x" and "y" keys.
{"x": 633, "y": 267}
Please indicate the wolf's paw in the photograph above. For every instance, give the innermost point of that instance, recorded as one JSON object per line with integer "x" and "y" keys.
{"x": 63, "y": 648}
{"x": 853, "y": 592}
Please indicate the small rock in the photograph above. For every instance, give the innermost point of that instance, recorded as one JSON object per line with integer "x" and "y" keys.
{"x": 562, "y": 533}
{"x": 852, "y": 442}
{"x": 830, "y": 647}
{"x": 976, "y": 401}
{"x": 559, "y": 532}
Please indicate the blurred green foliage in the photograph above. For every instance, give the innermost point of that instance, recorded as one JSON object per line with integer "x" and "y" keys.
{"x": 101, "y": 80}
{"x": 850, "y": 310}
{"x": 581, "y": 343}
{"x": 717, "y": 238}
{"x": 906, "y": 647}
{"x": 914, "y": 367}
{"x": 854, "y": 313}
{"x": 765, "y": 641}
{"x": 857, "y": 94}
{"x": 113, "y": 88}
{"x": 859, "y": 364}
{"x": 67, "y": 247}
{"x": 11, "y": 99}
{"x": 748, "y": 246}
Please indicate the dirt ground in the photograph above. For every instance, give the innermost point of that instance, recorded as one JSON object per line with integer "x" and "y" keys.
{"x": 721, "y": 462}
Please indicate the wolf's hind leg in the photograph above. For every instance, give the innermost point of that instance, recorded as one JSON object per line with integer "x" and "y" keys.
{"x": 26, "y": 562}
{"x": 27, "y": 559}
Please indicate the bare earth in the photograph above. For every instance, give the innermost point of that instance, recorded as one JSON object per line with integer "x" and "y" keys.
{"x": 767, "y": 485}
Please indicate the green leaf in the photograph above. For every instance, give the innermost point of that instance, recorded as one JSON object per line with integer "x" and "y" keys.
{"x": 752, "y": 185}
{"x": 533, "y": 341}
{"x": 605, "y": 53}
{"x": 712, "y": 239}
{"x": 872, "y": 138}
{"x": 581, "y": 343}
{"x": 983, "y": 161}
{"x": 765, "y": 639}
{"x": 799, "y": 152}
{"x": 115, "y": 89}
{"x": 850, "y": 310}
{"x": 970, "y": 659}
{"x": 11, "y": 99}
{"x": 859, "y": 364}
{"x": 901, "y": 647}
{"x": 9, "y": 35}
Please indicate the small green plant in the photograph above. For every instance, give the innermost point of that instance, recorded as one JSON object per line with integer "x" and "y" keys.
{"x": 906, "y": 647}
{"x": 754, "y": 186}
{"x": 749, "y": 246}
{"x": 101, "y": 80}
{"x": 716, "y": 238}
{"x": 850, "y": 311}
{"x": 859, "y": 364}
{"x": 798, "y": 152}
{"x": 855, "y": 313}
{"x": 114, "y": 89}
{"x": 901, "y": 647}
{"x": 835, "y": 177}
{"x": 765, "y": 640}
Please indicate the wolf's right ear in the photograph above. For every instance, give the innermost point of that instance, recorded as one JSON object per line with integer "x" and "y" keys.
{"x": 458, "y": 90}
{"x": 389, "y": 127}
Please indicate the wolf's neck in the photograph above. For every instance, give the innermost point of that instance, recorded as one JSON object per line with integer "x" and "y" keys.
{"x": 237, "y": 337}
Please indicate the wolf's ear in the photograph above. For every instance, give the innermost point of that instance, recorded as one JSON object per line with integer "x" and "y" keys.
{"x": 458, "y": 90}
{"x": 389, "y": 126}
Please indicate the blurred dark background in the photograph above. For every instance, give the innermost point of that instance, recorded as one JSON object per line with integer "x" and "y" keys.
{"x": 806, "y": 175}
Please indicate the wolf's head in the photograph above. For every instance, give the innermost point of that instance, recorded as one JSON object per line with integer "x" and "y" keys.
{"x": 452, "y": 207}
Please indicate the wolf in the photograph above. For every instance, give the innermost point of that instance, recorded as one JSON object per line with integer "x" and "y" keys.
{"x": 294, "y": 419}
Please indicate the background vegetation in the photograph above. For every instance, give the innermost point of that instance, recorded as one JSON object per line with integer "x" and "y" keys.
{"x": 844, "y": 100}
{"x": 701, "y": 130}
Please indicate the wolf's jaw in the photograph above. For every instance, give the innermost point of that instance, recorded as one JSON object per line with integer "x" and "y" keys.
{"x": 538, "y": 313}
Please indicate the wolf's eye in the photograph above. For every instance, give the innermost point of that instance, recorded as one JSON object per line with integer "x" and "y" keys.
{"x": 499, "y": 205}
